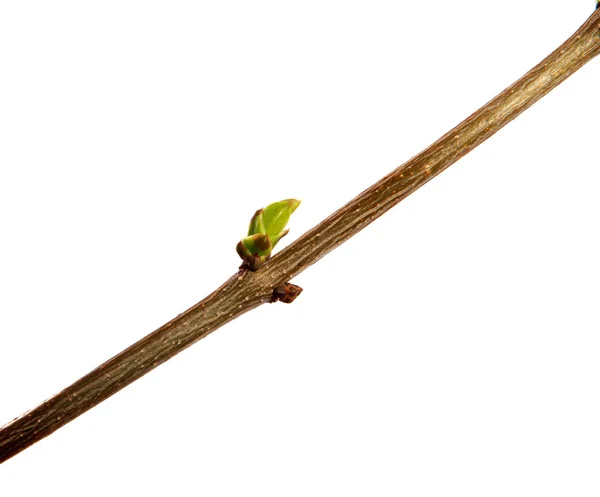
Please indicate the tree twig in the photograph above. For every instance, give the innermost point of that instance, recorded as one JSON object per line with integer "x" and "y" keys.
{"x": 247, "y": 290}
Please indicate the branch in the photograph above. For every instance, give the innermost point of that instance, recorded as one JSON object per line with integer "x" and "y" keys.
{"x": 247, "y": 290}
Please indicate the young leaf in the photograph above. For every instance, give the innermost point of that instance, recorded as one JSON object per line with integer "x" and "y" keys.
{"x": 256, "y": 223}
{"x": 276, "y": 216}
{"x": 279, "y": 237}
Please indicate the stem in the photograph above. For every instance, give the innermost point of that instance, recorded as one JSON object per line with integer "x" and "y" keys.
{"x": 247, "y": 290}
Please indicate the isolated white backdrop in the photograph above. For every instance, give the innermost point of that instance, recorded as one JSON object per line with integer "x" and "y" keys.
{"x": 451, "y": 348}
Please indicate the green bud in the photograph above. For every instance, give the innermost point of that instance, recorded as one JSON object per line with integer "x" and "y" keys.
{"x": 258, "y": 244}
{"x": 266, "y": 228}
{"x": 242, "y": 251}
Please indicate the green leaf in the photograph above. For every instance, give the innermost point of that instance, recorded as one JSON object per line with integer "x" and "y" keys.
{"x": 276, "y": 216}
{"x": 256, "y": 223}
{"x": 279, "y": 237}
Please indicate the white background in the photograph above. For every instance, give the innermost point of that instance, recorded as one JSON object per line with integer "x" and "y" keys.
{"x": 451, "y": 348}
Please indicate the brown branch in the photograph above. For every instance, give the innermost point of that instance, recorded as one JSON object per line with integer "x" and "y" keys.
{"x": 247, "y": 290}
